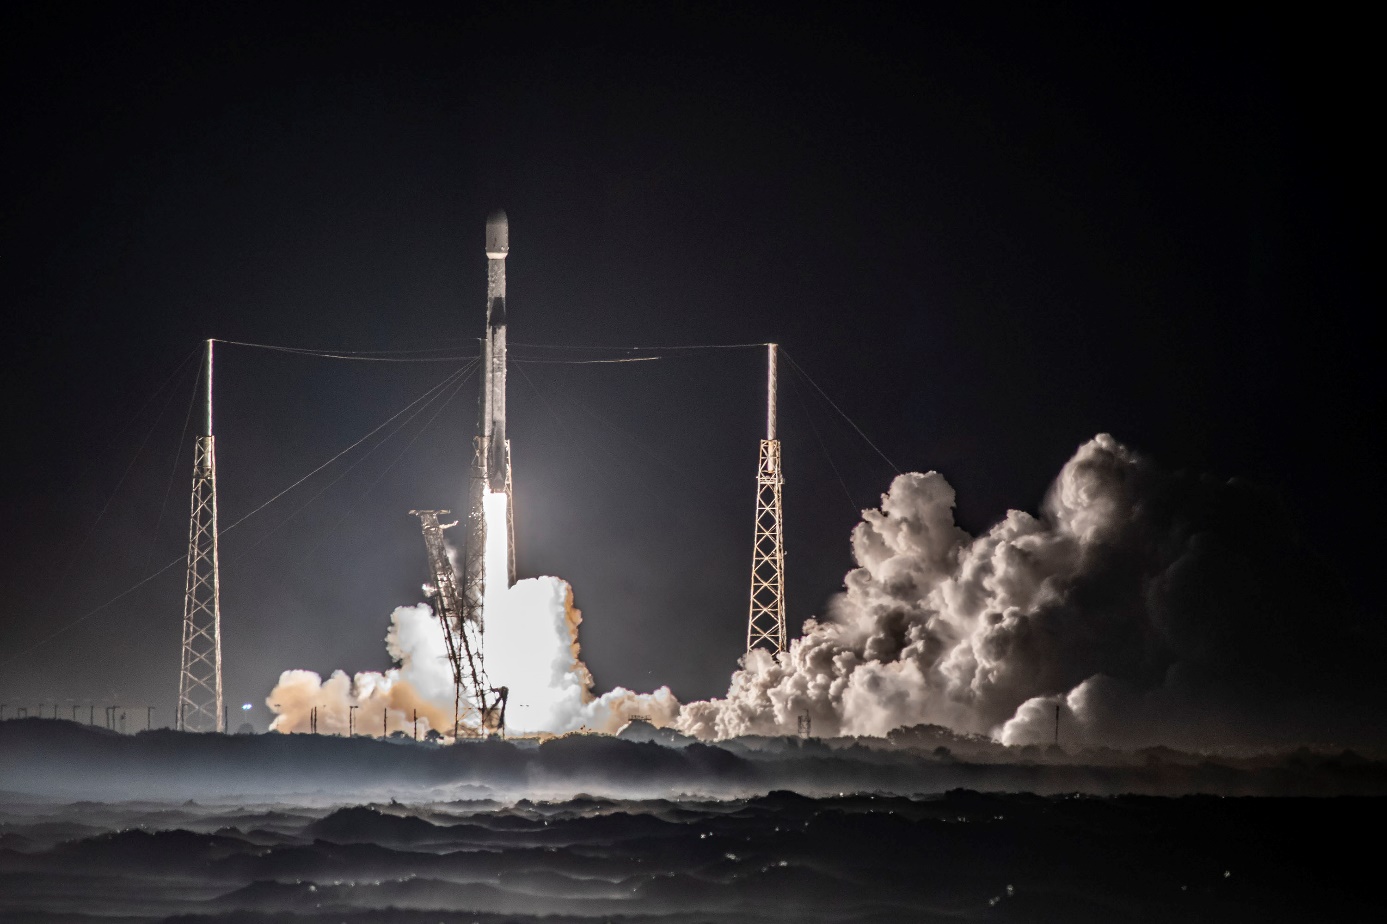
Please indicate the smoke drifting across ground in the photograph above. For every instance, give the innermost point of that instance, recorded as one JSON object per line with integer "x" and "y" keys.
{"x": 531, "y": 645}
{"x": 1150, "y": 607}
{"x": 1146, "y": 607}
{"x": 422, "y": 681}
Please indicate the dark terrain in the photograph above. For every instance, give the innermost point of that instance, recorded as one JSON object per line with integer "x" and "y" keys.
{"x": 171, "y": 827}
{"x": 779, "y": 857}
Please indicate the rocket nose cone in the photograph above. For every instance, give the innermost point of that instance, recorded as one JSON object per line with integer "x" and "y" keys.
{"x": 497, "y": 234}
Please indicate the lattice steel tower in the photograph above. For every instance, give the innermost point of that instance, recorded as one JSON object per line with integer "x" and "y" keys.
{"x": 765, "y": 627}
{"x": 200, "y": 680}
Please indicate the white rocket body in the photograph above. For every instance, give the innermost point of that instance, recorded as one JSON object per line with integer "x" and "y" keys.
{"x": 494, "y": 449}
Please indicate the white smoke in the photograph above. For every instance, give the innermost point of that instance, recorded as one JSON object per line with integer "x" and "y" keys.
{"x": 1150, "y": 607}
{"x": 422, "y": 682}
{"x": 531, "y": 647}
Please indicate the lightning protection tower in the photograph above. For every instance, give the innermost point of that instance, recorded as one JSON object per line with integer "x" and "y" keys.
{"x": 200, "y": 679}
{"x": 765, "y": 626}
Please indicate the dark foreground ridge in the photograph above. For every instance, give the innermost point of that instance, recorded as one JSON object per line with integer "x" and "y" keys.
{"x": 168, "y": 827}
{"x": 57, "y": 759}
{"x": 782, "y": 857}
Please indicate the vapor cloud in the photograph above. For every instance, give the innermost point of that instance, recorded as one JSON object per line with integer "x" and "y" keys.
{"x": 1150, "y": 607}
{"x": 422, "y": 682}
{"x": 531, "y": 646}
{"x": 1141, "y": 606}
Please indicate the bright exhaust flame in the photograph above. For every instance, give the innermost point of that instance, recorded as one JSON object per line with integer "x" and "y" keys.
{"x": 528, "y": 642}
{"x": 496, "y": 556}
{"x": 531, "y": 647}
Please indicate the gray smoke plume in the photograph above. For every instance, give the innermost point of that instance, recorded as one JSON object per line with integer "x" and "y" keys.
{"x": 1151, "y": 607}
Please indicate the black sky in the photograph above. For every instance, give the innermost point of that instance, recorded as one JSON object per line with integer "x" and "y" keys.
{"x": 987, "y": 235}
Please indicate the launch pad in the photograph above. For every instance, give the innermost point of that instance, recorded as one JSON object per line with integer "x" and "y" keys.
{"x": 466, "y": 591}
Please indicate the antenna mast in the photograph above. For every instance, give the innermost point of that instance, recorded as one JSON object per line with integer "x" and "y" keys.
{"x": 200, "y": 677}
{"x": 766, "y": 620}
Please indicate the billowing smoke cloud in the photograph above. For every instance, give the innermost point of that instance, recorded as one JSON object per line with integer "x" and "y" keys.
{"x": 1148, "y": 606}
{"x": 531, "y": 646}
{"x": 422, "y": 682}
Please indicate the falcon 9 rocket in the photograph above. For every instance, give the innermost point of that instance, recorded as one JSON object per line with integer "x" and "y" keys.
{"x": 491, "y": 471}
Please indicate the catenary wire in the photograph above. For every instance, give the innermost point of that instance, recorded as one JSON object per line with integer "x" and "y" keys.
{"x": 399, "y": 356}
{"x": 688, "y": 480}
{"x": 604, "y": 473}
{"x": 83, "y": 618}
{"x": 389, "y": 466}
{"x": 822, "y": 447}
{"x": 464, "y": 373}
{"x": 427, "y": 394}
{"x": 453, "y": 344}
{"x": 800, "y": 370}
{"x": 637, "y": 349}
{"x": 364, "y": 356}
{"x": 91, "y": 531}
{"x": 181, "y": 558}
{"x": 173, "y": 472}
{"x": 585, "y": 362}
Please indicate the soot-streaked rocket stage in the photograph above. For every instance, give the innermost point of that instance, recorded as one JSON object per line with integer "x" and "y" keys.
{"x": 490, "y": 520}
{"x": 488, "y": 554}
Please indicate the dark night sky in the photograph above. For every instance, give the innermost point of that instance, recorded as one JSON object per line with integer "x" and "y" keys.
{"x": 987, "y": 235}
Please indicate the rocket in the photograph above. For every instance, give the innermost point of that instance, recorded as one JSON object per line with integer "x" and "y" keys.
{"x": 491, "y": 471}
{"x": 494, "y": 450}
